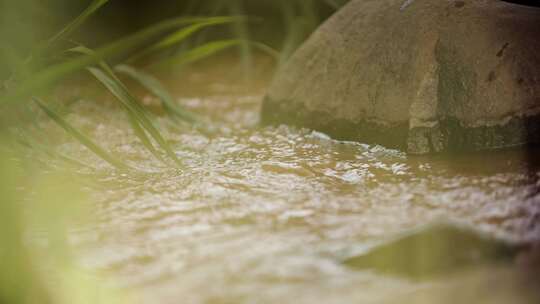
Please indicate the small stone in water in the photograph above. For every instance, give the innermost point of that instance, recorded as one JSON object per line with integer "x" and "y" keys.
{"x": 433, "y": 250}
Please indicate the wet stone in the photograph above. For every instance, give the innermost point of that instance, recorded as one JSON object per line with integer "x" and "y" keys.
{"x": 437, "y": 250}
{"x": 472, "y": 67}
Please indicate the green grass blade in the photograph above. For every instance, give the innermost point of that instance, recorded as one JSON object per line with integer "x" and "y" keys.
{"x": 265, "y": 49}
{"x": 153, "y": 85}
{"x": 83, "y": 139}
{"x": 116, "y": 89}
{"x": 200, "y": 52}
{"x": 309, "y": 13}
{"x": 40, "y": 51}
{"x": 182, "y": 34}
{"x": 47, "y": 77}
{"x": 135, "y": 111}
{"x": 211, "y": 48}
{"x": 335, "y": 4}
{"x": 139, "y": 132}
{"x": 77, "y": 22}
{"x": 30, "y": 142}
{"x": 241, "y": 31}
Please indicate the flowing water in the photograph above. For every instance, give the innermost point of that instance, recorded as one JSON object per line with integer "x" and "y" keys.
{"x": 267, "y": 214}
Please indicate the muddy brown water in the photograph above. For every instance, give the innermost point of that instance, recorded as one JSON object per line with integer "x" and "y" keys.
{"x": 267, "y": 214}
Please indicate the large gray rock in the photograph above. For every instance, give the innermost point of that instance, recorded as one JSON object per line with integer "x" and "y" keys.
{"x": 419, "y": 75}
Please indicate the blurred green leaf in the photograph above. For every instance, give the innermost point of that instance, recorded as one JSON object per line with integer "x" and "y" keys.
{"x": 83, "y": 139}
{"x": 27, "y": 65}
{"x": 200, "y": 52}
{"x": 153, "y": 85}
{"x": 209, "y": 49}
{"x": 27, "y": 140}
{"x": 182, "y": 34}
{"x": 49, "y": 76}
{"x": 136, "y": 112}
{"x": 77, "y": 22}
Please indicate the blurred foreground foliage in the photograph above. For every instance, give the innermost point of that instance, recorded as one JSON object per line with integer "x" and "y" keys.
{"x": 38, "y": 208}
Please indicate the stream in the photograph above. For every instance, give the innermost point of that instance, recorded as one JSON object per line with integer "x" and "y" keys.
{"x": 266, "y": 214}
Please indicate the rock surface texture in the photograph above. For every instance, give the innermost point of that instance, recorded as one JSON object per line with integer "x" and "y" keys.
{"x": 423, "y": 76}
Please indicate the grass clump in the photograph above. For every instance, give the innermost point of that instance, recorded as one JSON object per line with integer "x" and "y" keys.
{"x": 94, "y": 62}
{"x": 47, "y": 65}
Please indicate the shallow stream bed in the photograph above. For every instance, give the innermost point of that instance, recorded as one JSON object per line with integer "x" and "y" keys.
{"x": 267, "y": 214}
